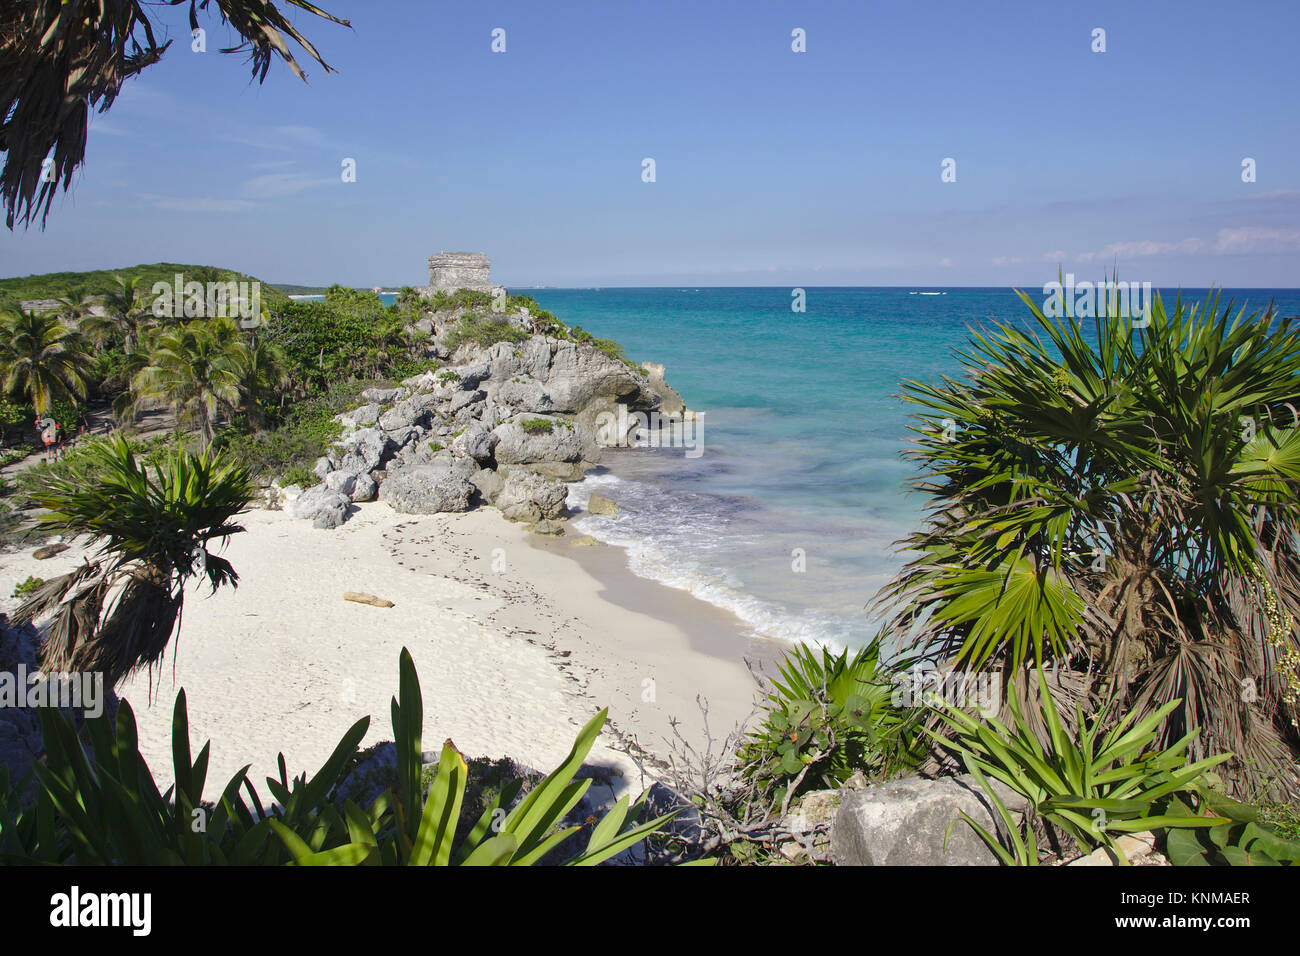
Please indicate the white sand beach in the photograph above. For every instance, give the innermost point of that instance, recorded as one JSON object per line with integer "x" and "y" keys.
{"x": 516, "y": 642}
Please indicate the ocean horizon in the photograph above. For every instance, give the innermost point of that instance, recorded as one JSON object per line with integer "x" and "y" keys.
{"x": 802, "y": 464}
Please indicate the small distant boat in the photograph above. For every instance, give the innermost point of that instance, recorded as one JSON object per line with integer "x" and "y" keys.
{"x": 933, "y": 293}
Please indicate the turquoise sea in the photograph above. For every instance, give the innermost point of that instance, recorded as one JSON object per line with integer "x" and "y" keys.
{"x": 801, "y": 442}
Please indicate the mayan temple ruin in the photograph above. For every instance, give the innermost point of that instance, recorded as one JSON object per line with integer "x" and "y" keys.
{"x": 449, "y": 271}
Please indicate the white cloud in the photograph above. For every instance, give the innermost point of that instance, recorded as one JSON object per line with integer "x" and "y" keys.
{"x": 273, "y": 185}
{"x": 1256, "y": 239}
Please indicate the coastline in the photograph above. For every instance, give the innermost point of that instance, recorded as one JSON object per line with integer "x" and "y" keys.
{"x": 518, "y": 640}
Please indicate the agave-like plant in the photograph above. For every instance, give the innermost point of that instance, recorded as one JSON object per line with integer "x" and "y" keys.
{"x": 411, "y": 825}
{"x": 117, "y": 613}
{"x": 1092, "y": 785}
{"x": 100, "y": 805}
{"x": 1128, "y": 509}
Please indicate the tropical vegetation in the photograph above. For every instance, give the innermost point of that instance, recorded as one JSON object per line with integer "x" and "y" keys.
{"x": 1124, "y": 507}
{"x": 100, "y": 805}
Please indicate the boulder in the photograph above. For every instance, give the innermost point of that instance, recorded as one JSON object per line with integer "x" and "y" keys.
{"x": 341, "y": 482}
{"x": 322, "y": 467}
{"x": 527, "y": 496}
{"x": 364, "y": 451}
{"x": 416, "y": 410}
{"x": 476, "y": 441}
{"x": 48, "y": 551}
{"x": 523, "y": 393}
{"x": 365, "y": 489}
{"x": 600, "y": 505}
{"x": 904, "y": 823}
{"x": 320, "y": 501}
{"x": 489, "y": 484}
{"x": 549, "y": 526}
{"x": 464, "y": 399}
{"x": 566, "y": 450}
{"x": 383, "y": 396}
{"x": 365, "y": 415}
{"x": 471, "y": 375}
{"x": 587, "y": 382}
{"x": 330, "y": 518}
{"x": 426, "y": 489}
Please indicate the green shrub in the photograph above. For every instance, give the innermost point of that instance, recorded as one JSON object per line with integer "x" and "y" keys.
{"x": 1249, "y": 836}
{"x": 300, "y": 434}
{"x": 299, "y": 475}
{"x": 828, "y": 717}
{"x": 537, "y": 426}
{"x": 483, "y": 330}
{"x": 30, "y": 586}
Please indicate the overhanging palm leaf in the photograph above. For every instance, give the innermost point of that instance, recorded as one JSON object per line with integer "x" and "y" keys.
{"x": 60, "y": 58}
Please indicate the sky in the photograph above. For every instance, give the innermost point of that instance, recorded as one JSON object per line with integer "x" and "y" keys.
{"x": 771, "y": 166}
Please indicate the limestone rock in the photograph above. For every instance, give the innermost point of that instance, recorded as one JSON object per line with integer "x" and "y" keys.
{"x": 425, "y": 489}
{"x": 383, "y": 396}
{"x": 320, "y": 504}
{"x": 530, "y": 497}
{"x": 364, "y": 489}
{"x": 904, "y": 823}
{"x": 600, "y": 505}
{"x": 489, "y": 484}
{"x": 364, "y": 451}
{"x": 341, "y": 482}
{"x": 365, "y": 415}
{"x": 525, "y": 394}
{"x": 548, "y": 526}
{"x": 477, "y": 442}
{"x": 563, "y": 451}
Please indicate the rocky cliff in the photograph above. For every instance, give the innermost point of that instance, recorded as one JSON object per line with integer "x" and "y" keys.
{"x": 503, "y": 425}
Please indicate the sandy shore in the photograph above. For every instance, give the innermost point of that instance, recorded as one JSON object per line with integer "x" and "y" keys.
{"x": 518, "y": 641}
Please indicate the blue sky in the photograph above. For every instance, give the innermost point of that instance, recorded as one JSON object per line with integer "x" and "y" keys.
{"x": 772, "y": 167}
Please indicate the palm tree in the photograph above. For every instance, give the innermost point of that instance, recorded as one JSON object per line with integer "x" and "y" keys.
{"x": 1127, "y": 511}
{"x": 42, "y": 358}
{"x": 57, "y": 60}
{"x": 127, "y": 312}
{"x": 117, "y": 614}
{"x": 194, "y": 369}
{"x": 410, "y": 300}
{"x": 74, "y": 305}
{"x": 263, "y": 374}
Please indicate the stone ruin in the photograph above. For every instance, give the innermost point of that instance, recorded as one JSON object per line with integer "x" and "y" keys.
{"x": 449, "y": 271}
